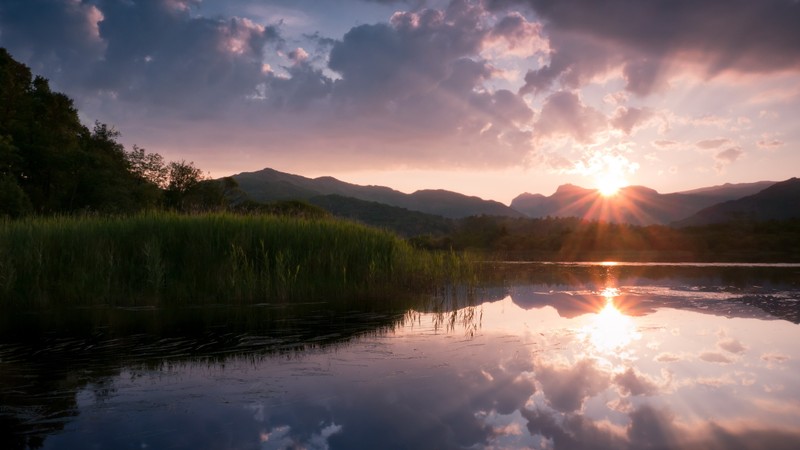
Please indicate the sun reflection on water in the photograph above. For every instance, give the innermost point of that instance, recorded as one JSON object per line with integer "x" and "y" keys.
{"x": 610, "y": 330}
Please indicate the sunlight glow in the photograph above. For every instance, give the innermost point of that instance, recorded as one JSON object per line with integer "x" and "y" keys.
{"x": 610, "y": 330}
{"x": 610, "y": 183}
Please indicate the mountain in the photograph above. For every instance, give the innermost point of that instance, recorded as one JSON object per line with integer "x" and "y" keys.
{"x": 637, "y": 205}
{"x": 404, "y": 222}
{"x": 731, "y": 190}
{"x": 269, "y": 185}
{"x": 778, "y": 202}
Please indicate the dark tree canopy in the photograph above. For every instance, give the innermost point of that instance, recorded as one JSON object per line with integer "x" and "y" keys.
{"x": 51, "y": 163}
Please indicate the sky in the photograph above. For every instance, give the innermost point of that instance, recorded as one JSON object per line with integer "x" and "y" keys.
{"x": 491, "y": 98}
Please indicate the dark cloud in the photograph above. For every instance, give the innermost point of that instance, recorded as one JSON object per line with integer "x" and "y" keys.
{"x": 419, "y": 77}
{"x": 303, "y": 86}
{"x": 160, "y": 54}
{"x": 52, "y": 36}
{"x": 414, "y": 89}
{"x": 151, "y": 52}
{"x": 572, "y": 432}
{"x": 412, "y": 54}
{"x": 653, "y": 428}
{"x": 574, "y": 60}
{"x": 631, "y": 382}
{"x": 567, "y": 387}
{"x": 644, "y": 38}
{"x": 447, "y": 411}
{"x": 645, "y": 75}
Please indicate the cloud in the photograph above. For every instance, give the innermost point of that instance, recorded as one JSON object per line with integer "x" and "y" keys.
{"x": 572, "y": 431}
{"x": 412, "y": 54}
{"x": 712, "y": 143}
{"x": 631, "y": 382}
{"x": 715, "y": 357}
{"x": 665, "y": 143}
{"x": 732, "y": 345}
{"x": 667, "y": 357}
{"x": 574, "y": 61}
{"x": 770, "y": 144}
{"x": 567, "y": 387}
{"x": 436, "y": 84}
{"x": 626, "y": 119}
{"x": 419, "y": 81}
{"x": 653, "y": 427}
{"x": 140, "y": 55}
{"x": 726, "y": 157}
{"x": 161, "y": 55}
{"x": 62, "y": 36}
{"x": 303, "y": 86}
{"x": 520, "y": 36}
{"x": 413, "y": 91}
{"x": 563, "y": 113}
{"x": 775, "y": 357}
{"x": 646, "y": 38}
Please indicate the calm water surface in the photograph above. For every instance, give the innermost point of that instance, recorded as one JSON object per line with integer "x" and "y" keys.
{"x": 546, "y": 356}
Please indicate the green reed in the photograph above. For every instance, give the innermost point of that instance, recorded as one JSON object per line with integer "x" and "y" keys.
{"x": 165, "y": 258}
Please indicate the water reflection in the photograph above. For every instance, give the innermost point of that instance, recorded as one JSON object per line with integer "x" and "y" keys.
{"x": 610, "y": 330}
{"x": 603, "y": 361}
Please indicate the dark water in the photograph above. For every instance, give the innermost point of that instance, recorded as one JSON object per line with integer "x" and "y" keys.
{"x": 545, "y": 356}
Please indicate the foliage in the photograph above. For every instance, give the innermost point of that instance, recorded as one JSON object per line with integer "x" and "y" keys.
{"x": 573, "y": 239}
{"x": 13, "y": 201}
{"x": 167, "y": 258}
{"x": 61, "y": 166}
{"x": 148, "y": 167}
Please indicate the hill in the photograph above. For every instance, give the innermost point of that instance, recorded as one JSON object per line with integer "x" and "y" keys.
{"x": 780, "y": 201}
{"x": 401, "y": 220}
{"x": 269, "y": 185}
{"x": 636, "y": 205}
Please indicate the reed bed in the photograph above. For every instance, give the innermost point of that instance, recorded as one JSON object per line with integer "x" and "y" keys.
{"x": 171, "y": 259}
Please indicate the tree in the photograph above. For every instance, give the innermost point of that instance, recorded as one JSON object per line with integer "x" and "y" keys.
{"x": 13, "y": 200}
{"x": 149, "y": 167}
{"x": 183, "y": 176}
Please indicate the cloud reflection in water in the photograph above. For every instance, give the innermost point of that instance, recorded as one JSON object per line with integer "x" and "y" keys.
{"x": 547, "y": 366}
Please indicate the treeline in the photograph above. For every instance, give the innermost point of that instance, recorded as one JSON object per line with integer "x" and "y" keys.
{"x": 573, "y": 239}
{"x": 50, "y": 163}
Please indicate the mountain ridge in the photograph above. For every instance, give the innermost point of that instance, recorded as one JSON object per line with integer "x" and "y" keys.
{"x": 781, "y": 201}
{"x": 268, "y": 185}
{"x": 637, "y": 205}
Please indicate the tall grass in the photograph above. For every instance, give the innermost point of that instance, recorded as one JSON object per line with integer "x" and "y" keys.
{"x": 166, "y": 258}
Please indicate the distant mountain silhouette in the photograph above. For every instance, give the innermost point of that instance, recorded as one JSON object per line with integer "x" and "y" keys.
{"x": 269, "y": 185}
{"x": 402, "y": 221}
{"x": 778, "y": 202}
{"x": 636, "y": 205}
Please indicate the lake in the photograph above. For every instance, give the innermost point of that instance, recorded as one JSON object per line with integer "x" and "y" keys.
{"x": 542, "y": 356}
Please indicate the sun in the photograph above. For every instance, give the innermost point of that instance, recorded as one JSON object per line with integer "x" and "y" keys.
{"x": 609, "y": 184}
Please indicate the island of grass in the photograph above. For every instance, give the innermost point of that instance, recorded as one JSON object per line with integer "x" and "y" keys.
{"x": 162, "y": 258}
